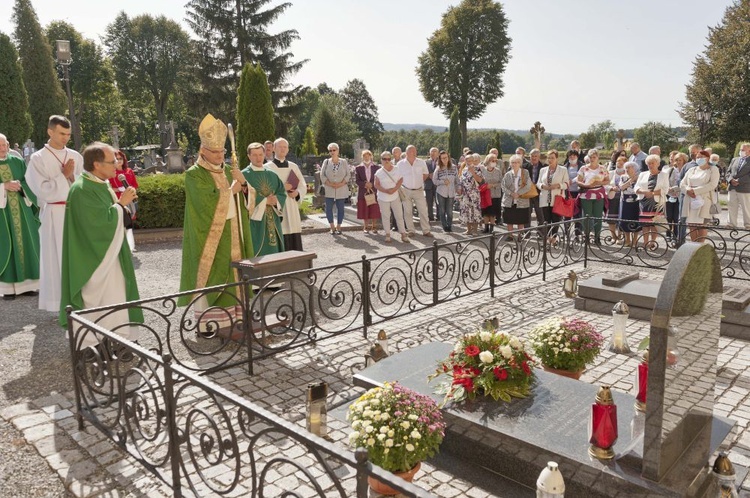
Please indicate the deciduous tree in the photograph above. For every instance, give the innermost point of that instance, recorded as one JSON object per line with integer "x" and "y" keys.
{"x": 364, "y": 111}
{"x": 656, "y": 133}
{"x": 720, "y": 80}
{"x": 15, "y": 121}
{"x": 473, "y": 47}
{"x": 46, "y": 96}
{"x": 454, "y": 136}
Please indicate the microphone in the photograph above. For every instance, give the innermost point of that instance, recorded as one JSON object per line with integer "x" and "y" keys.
{"x": 123, "y": 180}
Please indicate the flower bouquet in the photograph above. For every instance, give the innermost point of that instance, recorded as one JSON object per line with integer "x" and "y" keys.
{"x": 564, "y": 344}
{"x": 398, "y": 427}
{"x": 489, "y": 363}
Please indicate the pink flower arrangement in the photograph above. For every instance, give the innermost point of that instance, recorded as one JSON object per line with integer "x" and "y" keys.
{"x": 566, "y": 344}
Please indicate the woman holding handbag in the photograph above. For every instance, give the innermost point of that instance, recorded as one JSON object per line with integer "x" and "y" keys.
{"x": 388, "y": 186}
{"x": 591, "y": 180}
{"x": 553, "y": 182}
{"x": 470, "y": 179}
{"x": 516, "y": 183}
{"x": 698, "y": 186}
{"x": 367, "y": 204}
{"x": 493, "y": 177}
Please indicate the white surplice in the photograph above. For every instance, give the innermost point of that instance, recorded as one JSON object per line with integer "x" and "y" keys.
{"x": 45, "y": 178}
{"x": 292, "y": 222}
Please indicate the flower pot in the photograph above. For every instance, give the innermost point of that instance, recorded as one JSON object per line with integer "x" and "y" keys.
{"x": 384, "y": 489}
{"x": 565, "y": 373}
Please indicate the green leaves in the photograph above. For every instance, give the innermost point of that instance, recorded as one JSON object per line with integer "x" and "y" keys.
{"x": 15, "y": 121}
{"x": 255, "y": 120}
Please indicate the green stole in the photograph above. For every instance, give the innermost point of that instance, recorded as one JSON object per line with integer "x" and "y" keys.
{"x": 267, "y": 235}
{"x": 91, "y": 218}
{"x": 210, "y": 242}
{"x": 19, "y": 227}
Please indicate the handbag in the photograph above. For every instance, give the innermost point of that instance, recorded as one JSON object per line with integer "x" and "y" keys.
{"x": 564, "y": 206}
{"x": 322, "y": 191}
{"x": 714, "y": 209}
{"x": 485, "y": 196}
{"x": 370, "y": 198}
{"x": 401, "y": 193}
{"x": 533, "y": 192}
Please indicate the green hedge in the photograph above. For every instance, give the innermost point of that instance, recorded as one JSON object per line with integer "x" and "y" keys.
{"x": 161, "y": 201}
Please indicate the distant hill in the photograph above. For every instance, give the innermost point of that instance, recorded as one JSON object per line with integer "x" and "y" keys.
{"x": 440, "y": 129}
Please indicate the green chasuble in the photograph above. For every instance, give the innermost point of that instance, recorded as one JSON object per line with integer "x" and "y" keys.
{"x": 19, "y": 227}
{"x": 91, "y": 219}
{"x": 265, "y": 224}
{"x": 210, "y": 241}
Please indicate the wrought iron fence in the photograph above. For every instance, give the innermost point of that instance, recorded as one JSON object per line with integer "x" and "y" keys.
{"x": 200, "y": 438}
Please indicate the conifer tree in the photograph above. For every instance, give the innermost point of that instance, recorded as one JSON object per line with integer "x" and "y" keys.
{"x": 325, "y": 129}
{"x": 15, "y": 121}
{"x": 233, "y": 33}
{"x": 255, "y": 121}
{"x": 45, "y": 93}
{"x": 308, "y": 145}
{"x": 454, "y": 136}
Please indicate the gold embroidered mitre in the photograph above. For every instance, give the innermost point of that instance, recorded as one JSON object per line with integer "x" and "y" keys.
{"x": 213, "y": 133}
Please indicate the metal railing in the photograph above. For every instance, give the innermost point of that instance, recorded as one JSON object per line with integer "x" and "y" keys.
{"x": 200, "y": 438}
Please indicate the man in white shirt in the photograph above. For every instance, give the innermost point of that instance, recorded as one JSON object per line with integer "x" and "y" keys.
{"x": 414, "y": 172}
{"x": 51, "y": 171}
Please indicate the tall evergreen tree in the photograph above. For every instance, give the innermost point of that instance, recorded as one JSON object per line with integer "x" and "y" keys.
{"x": 454, "y": 136}
{"x": 45, "y": 93}
{"x": 325, "y": 128}
{"x": 232, "y": 33}
{"x": 364, "y": 111}
{"x": 308, "y": 146}
{"x": 254, "y": 110}
{"x": 15, "y": 121}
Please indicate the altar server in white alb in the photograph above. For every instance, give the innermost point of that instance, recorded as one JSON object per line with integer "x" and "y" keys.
{"x": 296, "y": 188}
{"x": 51, "y": 171}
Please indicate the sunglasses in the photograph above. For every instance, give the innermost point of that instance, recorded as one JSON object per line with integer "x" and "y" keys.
{"x": 332, "y": 150}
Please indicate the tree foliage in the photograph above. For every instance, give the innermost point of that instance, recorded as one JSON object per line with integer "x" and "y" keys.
{"x": 465, "y": 60}
{"x": 325, "y": 128}
{"x": 45, "y": 93}
{"x": 345, "y": 131}
{"x": 15, "y": 121}
{"x": 149, "y": 54}
{"x": 477, "y": 140}
{"x": 656, "y": 133}
{"x": 604, "y": 133}
{"x": 364, "y": 111}
{"x": 720, "y": 80}
{"x": 308, "y": 145}
{"x": 233, "y": 33}
{"x": 95, "y": 96}
{"x": 254, "y": 110}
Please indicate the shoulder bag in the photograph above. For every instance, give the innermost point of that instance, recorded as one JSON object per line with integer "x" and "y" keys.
{"x": 401, "y": 194}
{"x": 533, "y": 192}
{"x": 564, "y": 206}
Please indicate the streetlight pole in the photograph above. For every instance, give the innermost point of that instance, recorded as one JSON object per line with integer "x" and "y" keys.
{"x": 64, "y": 59}
{"x": 703, "y": 116}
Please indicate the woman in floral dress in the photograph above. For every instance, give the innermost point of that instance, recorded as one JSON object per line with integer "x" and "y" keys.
{"x": 470, "y": 179}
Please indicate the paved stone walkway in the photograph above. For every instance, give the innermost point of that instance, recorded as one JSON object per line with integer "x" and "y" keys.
{"x": 90, "y": 465}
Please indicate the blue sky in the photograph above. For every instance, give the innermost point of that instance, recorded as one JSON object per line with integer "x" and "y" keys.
{"x": 573, "y": 62}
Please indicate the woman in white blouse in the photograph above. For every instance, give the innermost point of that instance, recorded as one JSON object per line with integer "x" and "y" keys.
{"x": 387, "y": 184}
{"x": 553, "y": 181}
{"x": 651, "y": 188}
{"x": 698, "y": 185}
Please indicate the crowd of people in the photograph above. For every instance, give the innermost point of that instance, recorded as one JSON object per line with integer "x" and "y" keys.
{"x": 66, "y": 218}
{"x": 635, "y": 193}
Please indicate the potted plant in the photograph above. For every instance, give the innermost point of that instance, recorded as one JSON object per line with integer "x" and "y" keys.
{"x": 487, "y": 363}
{"x": 399, "y": 428}
{"x": 566, "y": 346}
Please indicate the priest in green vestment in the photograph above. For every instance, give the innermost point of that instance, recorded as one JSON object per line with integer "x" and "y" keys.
{"x": 97, "y": 266}
{"x": 266, "y": 196}
{"x": 215, "y": 230}
{"x": 19, "y": 228}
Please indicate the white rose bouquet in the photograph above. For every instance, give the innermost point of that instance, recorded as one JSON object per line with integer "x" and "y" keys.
{"x": 398, "y": 427}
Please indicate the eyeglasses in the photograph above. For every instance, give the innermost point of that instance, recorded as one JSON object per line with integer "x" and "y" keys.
{"x": 332, "y": 150}
{"x": 116, "y": 161}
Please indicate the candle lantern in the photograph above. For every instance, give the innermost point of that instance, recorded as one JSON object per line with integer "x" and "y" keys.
{"x": 603, "y": 425}
{"x": 317, "y": 412}
{"x": 383, "y": 341}
{"x": 570, "y": 284}
{"x": 619, "y": 341}
{"x": 491, "y": 324}
{"x": 725, "y": 477}
{"x": 550, "y": 483}
{"x": 641, "y": 383}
